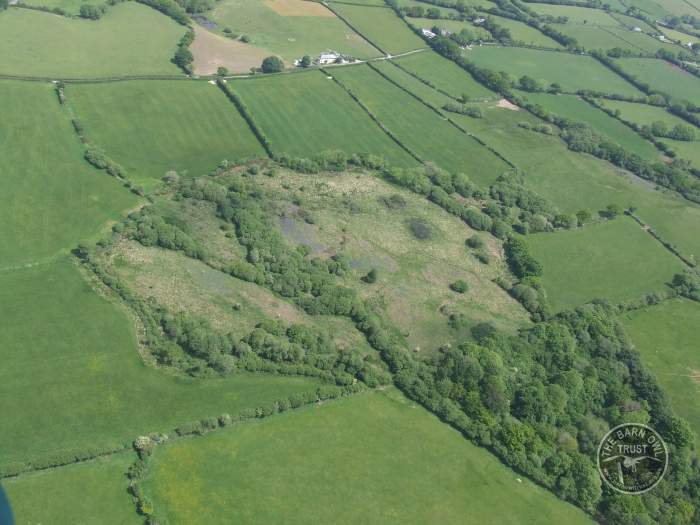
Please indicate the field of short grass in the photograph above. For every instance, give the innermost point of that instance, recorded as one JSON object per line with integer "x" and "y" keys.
{"x": 351, "y": 217}
{"x": 131, "y": 39}
{"x": 521, "y": 32}
{"x": 686, "y": 150}
{"x": 445, "y": 75}
{"x": 72, "y": 376}
{"x": 667, "y": 337}
{"x": 179, "y": 125}
{"x": 306, "y": 113}
{"x": 89, "y": 492}
{"x": 71, "y": 7}
{"x": 410, "y": 120}
{"x": 664, "y": 77}
{"x": 414, "y": 85}
{"x": 572, "y": 107}
{"x": 290, "y": 28}
{"x": 380, "y": 26}
{"x": 644, "y": 114}
{"x": 615, "y": 260}
{"x": 50, "y": 197}
{"x": 572, "y": 72}
{"x": 378, "y": 456}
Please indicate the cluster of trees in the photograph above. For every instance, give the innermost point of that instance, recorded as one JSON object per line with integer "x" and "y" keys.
{"x": 169, "y": 8}
{"x": 463, "y": 109}
{"x": 98, "y": 158}
{"x": 92, "y": 12}
{"x": 678, "y": 132}
{"x": 272, "y": 64}
{"x": 183, "y": 56}
{"x": 687, "y": 284}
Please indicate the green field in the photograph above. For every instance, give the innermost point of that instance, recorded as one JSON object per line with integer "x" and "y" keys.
{"x": 644, "y": 114}
{"x": 70, "y": 7}
{"x": 521, "y": 32}
{"x": 410, "y": 82}
{"x": 446, "y": 75}
{"x": 306, "y": 113}
{"x": 573, "y": 181}
{"x": 664, "y": 77}
{"x": 51, "y": 198}
{"x": 667, "y": 337}
{"x": 615, "y": 260}
{"x": 408, "y": 118}
{"x": 131, "y": 39}
{"x": 680, "y": 36}
{"x": 572, "y": 72}
{"x": 173, "y": 125}
{"x": 685, "y": 150}
{"x": 374, "y": 455}
{"x": 381, "y": 27}
{"x": 455, "y": 26}
{"x": 290, "y": 28}
{"x": 91, "y": 492}
{"x": 612, "y": 129}
{"x": 72, "y": 376}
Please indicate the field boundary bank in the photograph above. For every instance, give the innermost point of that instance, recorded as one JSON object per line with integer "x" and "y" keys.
{"x": 443, "y": 116}
{"x": 374, "y": 118}
{"x": 252, "y": 412}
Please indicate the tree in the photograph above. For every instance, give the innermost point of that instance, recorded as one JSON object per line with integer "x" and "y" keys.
{"x": 371, "y": 276}
{"x": 612, "y": 210}
{"x": 528, "y": 83}
{"x": 554, "y": 88}
{"x": 682, "y": 132}
{"x": 433, "y": 13}
{"x": 459, "y": 286}
{"x": 92, "y": 12}
{"x": 583, "y": 216}
{"x": 659, "y": 129}
{"x": 305, "y": 61}
{"x": 221, "y": 71}
{"x": 183, "y": 57}
{"x": 272, "y": 64}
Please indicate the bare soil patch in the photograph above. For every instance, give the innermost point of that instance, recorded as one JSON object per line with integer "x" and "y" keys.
{"x": 503, "y": 103}
{"x": 298, "y": 8}
{"x": 212, "y": 51}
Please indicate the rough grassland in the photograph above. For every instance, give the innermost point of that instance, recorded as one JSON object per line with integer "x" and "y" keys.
{"x": 131, "y": 39}
{"x": 351, "y": 218}
{"x": 291, "y": 37}
{"x": 664, "y": 77}
{"x": 667, "y": 337}
{"x": 91, "y": 492}
{"x": 421, "y": 129}
{"x": 381, "y": 27}
{"x": 573, "y": 181}
{"x": 572, "y": 107}
{"x": 306, "y": 113}
{"x": 72, "y": 376}
{"x": 50, "y": 197}
{"x": 373, "y": 455}
{"x": 177, "y": 125}
{"x": 572, "y": 72}
{"x": 615, "y": 260}
{"x": 446, "y": 75}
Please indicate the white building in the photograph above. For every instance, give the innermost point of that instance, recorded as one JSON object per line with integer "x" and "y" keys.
{"x": 637, "y": 29}
{"x": 428, "y": 33}
{"x": 328, "y": 58}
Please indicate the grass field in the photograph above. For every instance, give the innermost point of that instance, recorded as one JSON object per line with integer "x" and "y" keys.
{"x": 664, "y": 77}
{"x": 381, "y": 27}
{"x": 521, "y": 32}
{"x": 131, "y": 39}
{"x": 680, "y": 36}
{"x": 290, "y": 28}
{"x": 91, "y": 492}
{"x": 393, "y": 463}
{"x": 454, "y": 26}
{"x": 685, "y": 150}
{"x": 71, "y": 7}
{"x": 72, "y": 376}
{"x": 644, "y": 114}
{"x": 615, "y": 260}
{"x": 667, "y": 337}
{"x": 306, "y": 113}
{"x": 51, "y": 198}
{"x": 446, "y": 75}
{"x": 581, "y": 111}
{"x": 351, "y": 218}
{"x": 572, "y": 72}
{"x": 173, "y": 125}
{"x": 409, "y": 119}
{"x": 414, "y": 85}
{"x": 573, "y": 181}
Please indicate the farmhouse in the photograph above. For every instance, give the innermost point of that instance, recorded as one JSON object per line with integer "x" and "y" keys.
{"x": 328, "y": 58}
{"x": 428, "y": 33}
